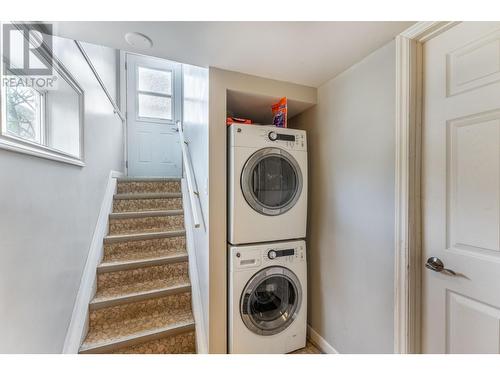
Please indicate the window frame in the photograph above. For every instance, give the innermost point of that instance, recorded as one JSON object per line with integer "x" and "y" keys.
{"x": 12, "y": 143}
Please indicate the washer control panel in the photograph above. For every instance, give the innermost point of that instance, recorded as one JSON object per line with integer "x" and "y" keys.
{"x": 273, "y": 254}
{"x": 267, "y": 256}
{"x": 283, "y": 255}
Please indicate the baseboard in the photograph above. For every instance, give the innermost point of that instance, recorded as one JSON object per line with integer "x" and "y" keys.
{"x": 201, "y": 332}
{"x": 79, "y": 319}
{"x": 320, "y": 342}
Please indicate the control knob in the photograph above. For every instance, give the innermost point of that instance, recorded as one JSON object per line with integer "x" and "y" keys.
{"x": 272, "y": 254}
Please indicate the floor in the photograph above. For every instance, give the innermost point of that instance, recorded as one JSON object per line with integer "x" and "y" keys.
{"x": 309, "y": 349}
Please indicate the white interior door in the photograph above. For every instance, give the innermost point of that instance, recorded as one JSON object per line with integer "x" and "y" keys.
{"x": 461, "y": 190}
{"x": 154, "y": 100}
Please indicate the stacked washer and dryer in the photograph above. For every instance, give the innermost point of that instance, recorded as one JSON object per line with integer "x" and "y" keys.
{"x": 267, "y": 226}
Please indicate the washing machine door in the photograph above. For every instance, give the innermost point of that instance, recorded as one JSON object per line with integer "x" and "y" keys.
{"x": 271, "y": 181}
{"x": 271, "y": 301}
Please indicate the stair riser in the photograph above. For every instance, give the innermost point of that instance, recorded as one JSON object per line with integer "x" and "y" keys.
{"x": 124, "y": 266}
{"x": 127, "y": 187}
{"x": 146, "y": 224}
{"x": 183, "y": 343}
{"x": 125, "y": 281}
{"x": 141, "y": 312}
{"x": 152, "y": 204}
{"x": 121, "y": 300}
{"x": 132, "y": 250}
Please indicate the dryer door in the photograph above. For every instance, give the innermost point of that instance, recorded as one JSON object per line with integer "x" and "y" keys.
{"x": 271, "y": 301}
{"x": 271, "y": 181}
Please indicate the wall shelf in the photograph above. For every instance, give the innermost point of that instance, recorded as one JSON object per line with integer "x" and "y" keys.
{"x": 258, "y": 107}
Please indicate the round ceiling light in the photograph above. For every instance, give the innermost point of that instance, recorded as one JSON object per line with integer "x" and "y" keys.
{"x": 138, "y": 40}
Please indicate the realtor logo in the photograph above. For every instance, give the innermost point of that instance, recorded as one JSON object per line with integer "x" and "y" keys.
{"x": 27, "y": 51}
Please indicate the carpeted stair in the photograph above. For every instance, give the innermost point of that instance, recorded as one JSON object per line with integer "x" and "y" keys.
{"x": 143, "y": 298}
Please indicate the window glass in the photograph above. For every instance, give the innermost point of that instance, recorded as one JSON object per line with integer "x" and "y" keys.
{"x": 156, "y": 81}
{"x": 24, "y": 113}
{"x": 157, "y": 107}
{"x": 274, "y": 182}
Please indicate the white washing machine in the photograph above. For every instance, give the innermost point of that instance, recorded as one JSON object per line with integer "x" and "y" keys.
{"x": 267, "y": 184}
{"x": 267, "y": 297}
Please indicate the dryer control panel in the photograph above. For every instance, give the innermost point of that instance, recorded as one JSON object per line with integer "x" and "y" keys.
{"x": 258, "y": 136}
{"x": 290, "y": 141}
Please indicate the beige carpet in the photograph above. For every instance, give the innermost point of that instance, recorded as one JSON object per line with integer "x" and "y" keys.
{"x": 142, "y": 302}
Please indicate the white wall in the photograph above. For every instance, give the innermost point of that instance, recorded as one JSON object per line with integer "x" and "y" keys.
{"x": 48, "y": 211}
{"x": 195, "y": 120}
{"x": 63, "y": 115}
{"x": 351, "y": 206}
{"x": 102, "y": 57}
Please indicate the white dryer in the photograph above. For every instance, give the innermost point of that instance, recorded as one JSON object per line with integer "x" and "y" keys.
{"x": 267, "y": 184}
{"x": 267, "y": 297}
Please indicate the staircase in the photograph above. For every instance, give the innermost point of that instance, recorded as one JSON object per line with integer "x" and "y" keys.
{"x": 143, "y": 298}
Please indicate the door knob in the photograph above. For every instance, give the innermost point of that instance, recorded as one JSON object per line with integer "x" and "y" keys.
{"x": 436, "y": 265}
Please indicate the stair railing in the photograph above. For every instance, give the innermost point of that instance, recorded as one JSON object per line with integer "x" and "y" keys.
{"x": 191, "y": 183}
{"x": 116, "y": 109}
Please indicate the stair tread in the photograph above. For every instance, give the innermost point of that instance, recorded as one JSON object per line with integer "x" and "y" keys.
{"x": 137, "y": 214}
{"x": 128, "y": 332}
{"x": 147, "y": 195}
{"x": 158, "y": 228}
{"x": 148, "y": 252}
{"x": 180, "y": 285}
{"x": 149, "y": 179}
{"x": 140, "y": 236}
{"x": 144, "y": 262}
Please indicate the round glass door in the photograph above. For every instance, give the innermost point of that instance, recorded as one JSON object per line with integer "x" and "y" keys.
{"x": 271, "y": 181}
{"x": 271, "y": 301}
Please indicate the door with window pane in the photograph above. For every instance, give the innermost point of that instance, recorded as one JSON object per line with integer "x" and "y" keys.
{"x": 153, "y": 107}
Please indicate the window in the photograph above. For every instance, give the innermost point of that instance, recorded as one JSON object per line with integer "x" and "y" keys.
{"x": 154, "y": 94}
{"x": 25, "y": 109}
{"x": 44, "y": 122}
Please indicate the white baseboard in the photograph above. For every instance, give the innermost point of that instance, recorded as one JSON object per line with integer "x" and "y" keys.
{"x": 79, "y": 319}
{"x": 320, "y": 342}
{"x": 201, "y": 333}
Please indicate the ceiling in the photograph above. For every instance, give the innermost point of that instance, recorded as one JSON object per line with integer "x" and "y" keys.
{"x": 307, "y": 53}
